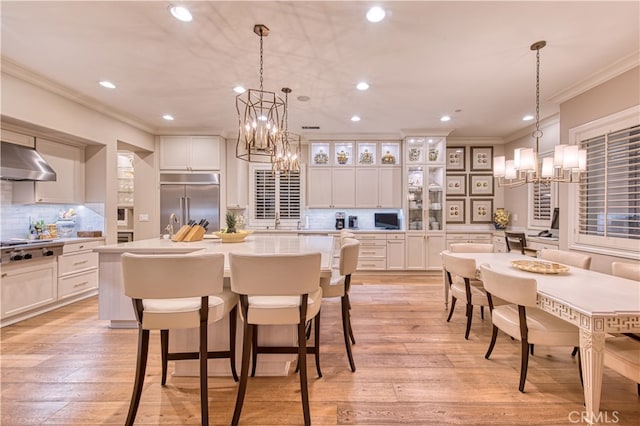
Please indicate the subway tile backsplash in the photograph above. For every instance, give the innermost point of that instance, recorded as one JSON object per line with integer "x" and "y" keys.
{"x": 14, "y": 221}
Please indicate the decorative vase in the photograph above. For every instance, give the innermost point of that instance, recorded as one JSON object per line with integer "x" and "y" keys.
{"x": 500, "y": 218}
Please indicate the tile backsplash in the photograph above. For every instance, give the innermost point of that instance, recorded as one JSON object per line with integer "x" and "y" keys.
{"x": 14, "y": 218}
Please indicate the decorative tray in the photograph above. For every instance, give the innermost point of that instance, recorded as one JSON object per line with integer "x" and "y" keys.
{"x": 540, "y": 267}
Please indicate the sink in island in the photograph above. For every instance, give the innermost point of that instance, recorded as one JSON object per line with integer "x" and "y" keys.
{"x": 117, "y": 308}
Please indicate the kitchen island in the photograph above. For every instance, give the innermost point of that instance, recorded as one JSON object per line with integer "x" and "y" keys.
{"x": 117, "y": 308}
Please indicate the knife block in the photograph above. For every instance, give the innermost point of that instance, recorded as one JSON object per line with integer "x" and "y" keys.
{"x": 181, "y": 234}
{"x": 195, "y": 234}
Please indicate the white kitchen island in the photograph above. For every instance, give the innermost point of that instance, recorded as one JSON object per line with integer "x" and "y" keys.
{"x": 117, "y": 308}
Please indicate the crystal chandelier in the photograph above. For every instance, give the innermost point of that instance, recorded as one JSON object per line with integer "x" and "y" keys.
{"x": 567, "y": 163}
{"x": 260, "y": 115}
{"x": 287, "y": 152}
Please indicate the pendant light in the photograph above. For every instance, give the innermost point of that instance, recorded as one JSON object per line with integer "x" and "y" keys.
{"x": 260, "y": 115}
{"x": 566, "y": 165}
{"x": 287, "y": 154}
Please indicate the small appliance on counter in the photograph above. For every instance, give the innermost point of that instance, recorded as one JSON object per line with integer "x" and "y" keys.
{"x": 353, "y": 222}
{"x": 339, "y": 220}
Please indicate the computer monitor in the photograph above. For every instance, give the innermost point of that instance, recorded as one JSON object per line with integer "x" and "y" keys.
{"x": 555, "y": 219}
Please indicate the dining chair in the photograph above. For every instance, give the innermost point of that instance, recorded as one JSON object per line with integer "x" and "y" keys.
{"x": 472, "y": 248}
{"x": 521, "y": 319}
{"x": 461, "y": 288}
{"x": 175, "y": 291}
{"x": 518, "y": 241}
{"x": 338, "y": 286}
{"x": 622, "y": 354}
{"x": 277, "y": 290}
{"x": 569, "y": 258}
{"x": 630, "y": 271}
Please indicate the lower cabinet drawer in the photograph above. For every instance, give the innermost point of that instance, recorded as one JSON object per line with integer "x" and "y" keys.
{"x": 372, "y": 264}
{"x": 78, "y": 262}
{"x": 68, "y": 286}
{"x": 373, "y": 251}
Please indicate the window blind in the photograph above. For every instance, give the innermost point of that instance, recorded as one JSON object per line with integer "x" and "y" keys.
{"x": 609, "y": 194}
{"x": 289, "y": 195}
{"x": 276, "y": 192}
{"x": 265, "y": 194}
{"x": 541, "y": 201}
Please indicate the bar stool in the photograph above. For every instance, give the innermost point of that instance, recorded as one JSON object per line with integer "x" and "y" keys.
{"x": 173, "y": 292}
{"x": 277, "y": 290}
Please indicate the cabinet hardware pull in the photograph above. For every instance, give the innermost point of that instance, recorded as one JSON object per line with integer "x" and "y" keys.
{"x": 82, "y": 284}
{"x": 79, "y": 263}
{"x": 4, "y": 275}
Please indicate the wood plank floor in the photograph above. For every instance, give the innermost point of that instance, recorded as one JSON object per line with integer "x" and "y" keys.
{"x": 67, "y": 367}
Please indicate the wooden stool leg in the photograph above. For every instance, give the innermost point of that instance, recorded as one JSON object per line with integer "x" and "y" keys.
{"x": 141, "y": 366}
{"x": 453, "y": 305}
{"x": 233, "y": 323}
{"x": 164, "y": 348}
{"x": 204, "y": 391}
{"x": 494, "y": 335}
{"x": 469, "y": 318}
{"x": 316, "y": 331}
{"x": 244, "y": 371}
{"x": 254, "y": 352}
{"x": 524, "y": 363}
{"x": 346, "y": 325}
{"x": 302, "y": 360}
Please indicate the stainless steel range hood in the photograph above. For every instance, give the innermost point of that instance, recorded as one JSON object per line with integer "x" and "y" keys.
{"x": 19, "y": 162}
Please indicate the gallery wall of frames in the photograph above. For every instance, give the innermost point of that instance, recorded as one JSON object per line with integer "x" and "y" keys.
{"x": 469, "y": 185}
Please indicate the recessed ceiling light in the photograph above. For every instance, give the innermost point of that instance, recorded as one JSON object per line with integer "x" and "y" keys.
{"x": 107, "y": 84}
{"x": 181, "y": 13}
{"x": 239, "y": 89}
{"x": 363, "y": 85}
{"x": 445, "y": 118}
{"x": 168, "y": 117}
{"x": 355, "y": 118}
{"x": 527, "y": 117}
{"x": 375, "y": 14}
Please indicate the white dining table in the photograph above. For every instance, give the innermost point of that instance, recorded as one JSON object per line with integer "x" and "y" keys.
{"x": 596, "y": 303}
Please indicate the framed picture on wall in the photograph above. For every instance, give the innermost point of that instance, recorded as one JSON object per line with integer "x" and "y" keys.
{"x": 481, "y": 185}
{"x": 455, "y": 210}
{"x": 481, "y": 158}
{"x": 481, "y": 210}
{"x": 455, "y": 158}
{"x": 457, "y": 184}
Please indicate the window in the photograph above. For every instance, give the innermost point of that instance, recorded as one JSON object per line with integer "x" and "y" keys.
{"x": 273, "y": 193}
{"x": 541, "y": 201}
{"x": 607, "y": 201}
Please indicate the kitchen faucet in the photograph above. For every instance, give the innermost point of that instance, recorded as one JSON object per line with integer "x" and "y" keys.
{"x": 277, "y": 224}
{"x": 172, "y": 219}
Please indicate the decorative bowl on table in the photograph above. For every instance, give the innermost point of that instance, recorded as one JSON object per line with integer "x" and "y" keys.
{"x": 540, "y": 267}
{"x": 234, "y": 237}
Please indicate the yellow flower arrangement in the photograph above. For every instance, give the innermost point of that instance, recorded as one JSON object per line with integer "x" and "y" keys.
{"x": 501, "y": 218}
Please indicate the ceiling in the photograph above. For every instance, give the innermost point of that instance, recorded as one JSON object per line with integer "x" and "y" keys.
{"x": 470, "y": 60}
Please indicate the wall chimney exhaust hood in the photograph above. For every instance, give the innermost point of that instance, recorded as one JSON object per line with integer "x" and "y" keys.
{"x": 19, "y": 162}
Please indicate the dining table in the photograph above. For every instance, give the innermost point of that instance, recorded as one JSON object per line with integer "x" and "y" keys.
{"x": 595, "y": 302}
{"x": 117, "y": 308}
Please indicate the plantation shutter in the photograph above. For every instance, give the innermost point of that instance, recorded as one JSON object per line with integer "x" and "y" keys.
{"x": 265, "y": 194}
{"x": 289, "y": 195}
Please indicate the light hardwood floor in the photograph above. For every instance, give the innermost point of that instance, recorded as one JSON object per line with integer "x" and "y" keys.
{"x": 68, "y": 367}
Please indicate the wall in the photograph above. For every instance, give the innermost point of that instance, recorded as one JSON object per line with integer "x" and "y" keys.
{"x": 615, "y": 95}
{"x": 41, "y": 108}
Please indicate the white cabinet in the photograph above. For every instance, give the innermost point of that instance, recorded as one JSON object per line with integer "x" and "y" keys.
{"x": 331, "y": 187}
{"x": 77, "y": 269}
{"x": 378, "y": 187}
{"x": 416, "y": 251}
{"x": 499, "y": 244}
{"x": 190, "y": 153}
{"x": 373, "y": 252}
{"x": 480, "y": 238}
{"x": 68, "y": 188}
{"x": 435, "y": 246}
{"x": 395, "y": 252}
{"x": 28, "y": 287}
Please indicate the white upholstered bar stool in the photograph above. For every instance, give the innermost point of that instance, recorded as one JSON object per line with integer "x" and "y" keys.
{"x": 464, "y": 270}
{"x": 630, "y": 271}
{"x": 172, "y": 292}
{"x": 338, "y": 286}
{"x": 522, "y": 319}
{"x": 566, "y": 258}
{"x": 277, "y": 290}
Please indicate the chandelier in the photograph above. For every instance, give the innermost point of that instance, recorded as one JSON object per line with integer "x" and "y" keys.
{"x": 260, "y": 115}
{"x": 567, "y": 163}
{"x": 287, "y": 148}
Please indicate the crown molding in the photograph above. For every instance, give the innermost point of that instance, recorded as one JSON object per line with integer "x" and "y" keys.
{"x": 351, "y": 136}
{"x": 615, "y": 69}
{"x": 18, "y": 71}
{"x": 475, "y": 140}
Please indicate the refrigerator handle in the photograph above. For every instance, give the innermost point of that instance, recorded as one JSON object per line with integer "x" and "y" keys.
{"x": 182, "y": 215}
{"x": 187, "y": 209}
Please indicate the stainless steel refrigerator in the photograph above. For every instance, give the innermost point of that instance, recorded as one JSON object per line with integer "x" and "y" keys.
{"x": 192, "y": 196}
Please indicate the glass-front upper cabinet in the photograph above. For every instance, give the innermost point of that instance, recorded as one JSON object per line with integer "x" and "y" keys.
{"x": 435, "y": 150}
{"x": 367, "y": 154}
{"x": 436, "y": 204}
{"x": 343, "y": 154}
{"x": 319, "y": 153}
{"x": 425, "y": 150}
{"x": 415, "y": 195}
{"x": 389, "y": 153}
{"x": 415, "y": 151}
